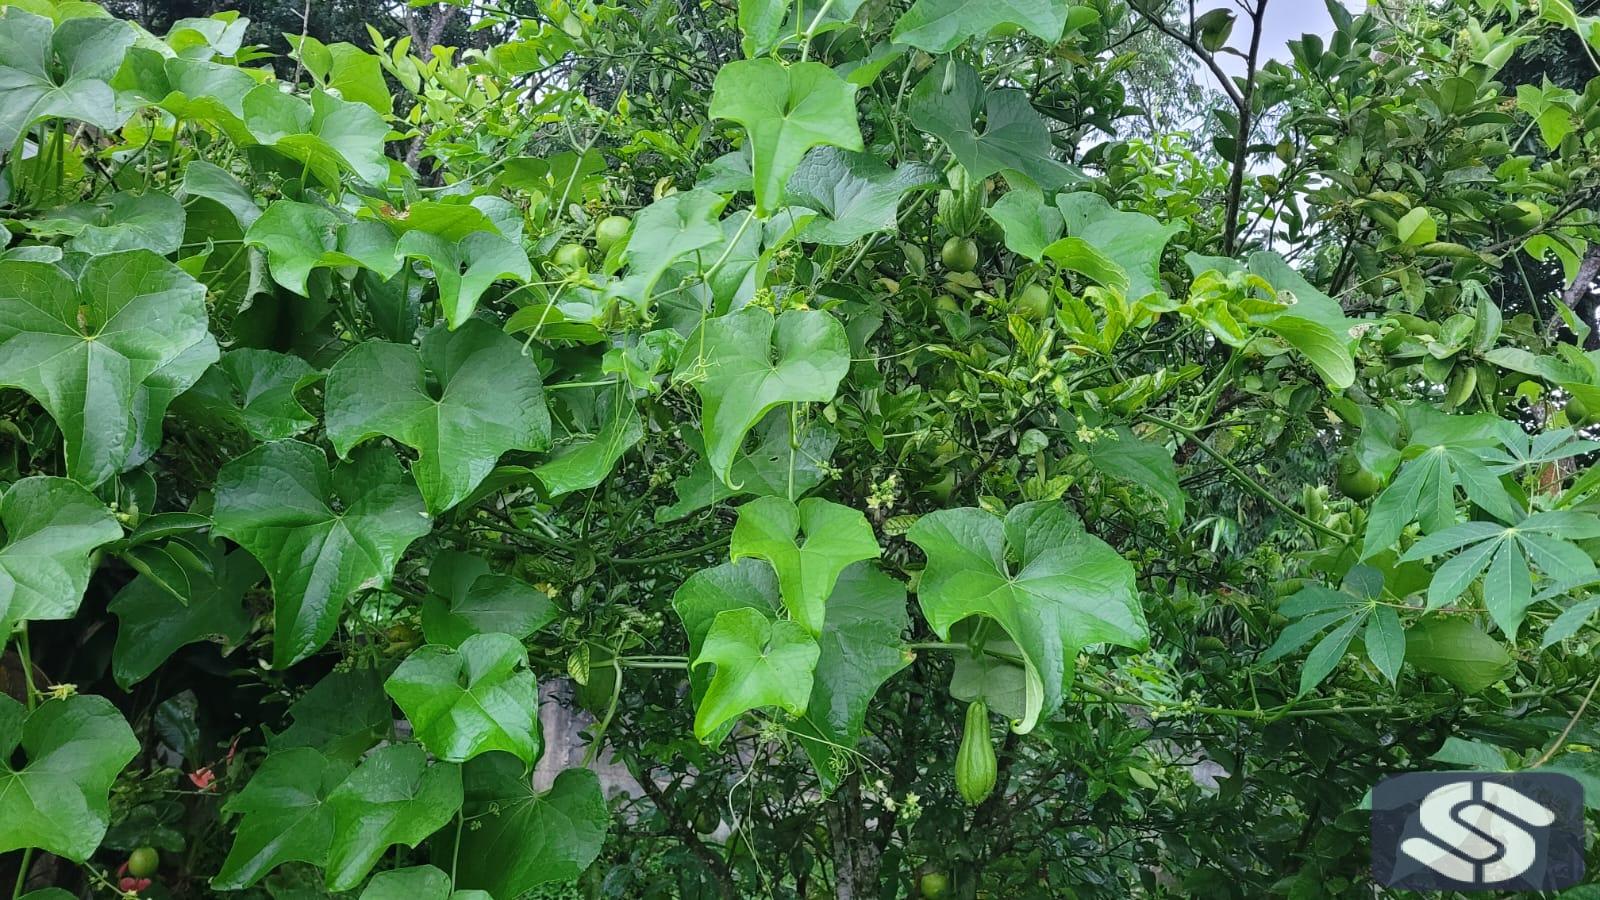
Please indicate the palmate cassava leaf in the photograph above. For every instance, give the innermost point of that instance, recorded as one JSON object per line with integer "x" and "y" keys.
{"x": 321, "y": 534}
{"x": 59, "y": 71}
{"x": 524, "y": 838}
{"x": 57, "y": 764}
{"x": 49, "y": 527}
{"x": 745, "y": 363}
{"x": 1068, "y": 590}
{"x": 466, "y": 701}
{"x": 835, "y": 537}
{"x": 489, "y": 400}
{"x": 104, "y": 352}
{"x": 785, "y": 111}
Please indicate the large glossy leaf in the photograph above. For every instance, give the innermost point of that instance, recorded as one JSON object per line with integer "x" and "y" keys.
{"x": 393, "y": 797}
{"x": 856, "y": 193}
{"x": 665, "y": 232}
{"x": 584, "y": 460}
{"x": 153, "y": 624}
{"x": 744, "y": 364}
{"x": 57, "y": 764}
{"x": 49, "y": 528}
{"x": 321, "y": 535}
{"x": 1134, "y": 241}
{"x": 1014, "y": 136}
{"x": 298, "y": 237}
{"x": 104, "y": 352}
{"x": 1459, "y": 652}
{"x": 284, "y": 816}
{"x": 939, "y": 26}
{"x": 524, "y": 838}
{"x": 465, "y": 269}
{"x": 465, "y": 599}
{"x": 59, "y": 71}
{"x": 746, "y": 584}
{"x": 759, "y": 662}
{"x": 489, "y": 400}
{"x": 342, "y": 716}
{"x": 472, "y": 700}
{"x": 785, "y": 110}
{"x": 326, "y": 137}
{"x": 763, "y": 469}
{"x": 252, "y": 391}
{"x": 862, "y": 647}
{"x": 835, "y": 537}
{"x": 1066, "y": 591}
{"x": 151, "y": 220}
{"x": 1030, "y": 224}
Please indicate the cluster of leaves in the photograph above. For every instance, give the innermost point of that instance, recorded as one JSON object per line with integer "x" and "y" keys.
{"x": 789, "y": 391}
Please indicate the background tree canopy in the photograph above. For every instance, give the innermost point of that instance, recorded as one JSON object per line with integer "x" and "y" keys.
{"x": 864, "y": 448}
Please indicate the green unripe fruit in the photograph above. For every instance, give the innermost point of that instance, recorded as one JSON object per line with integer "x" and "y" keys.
{"x": 975, "y": 763}
{"x": 959, "y": 254}
{"x": 610, "y": 231}
{"x": 1033, "y": 303}
{"x": 1356, "y": 481}
{"x": 144, "y": 862}
{"x": 934, "y": 884}
{"x": 571, "y": 257}
{"x": 707, "y": 820}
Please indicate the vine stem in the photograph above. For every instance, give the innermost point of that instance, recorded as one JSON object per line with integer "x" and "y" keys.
{"x": 26, "y": 653}
{"x": 1254, "y": 486}
{"x": 1571, "y": 723}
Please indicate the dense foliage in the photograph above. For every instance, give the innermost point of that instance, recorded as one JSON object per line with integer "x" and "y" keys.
{"x": 922, "y": 448}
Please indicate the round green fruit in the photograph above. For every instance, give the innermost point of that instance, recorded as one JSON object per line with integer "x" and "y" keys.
{"x": 959, "y": 254}
{"x": 610, "y": 231}
{"x": 934, "y": 884}
{"x": 707, "y": 820}
{"x": 1356, "y": 481}
{"x": 571, "y": 257}
{"x": 144, "y": 862}
{"x": 1033, "y": 303}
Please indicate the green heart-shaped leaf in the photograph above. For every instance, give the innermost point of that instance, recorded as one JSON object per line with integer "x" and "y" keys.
{"x": 490, "y": 400}
{"x": 472, "y": 700}
{"x": 835, "y": 537}
{"x": 70, "y": 752}
{"x": 50, "y": 526}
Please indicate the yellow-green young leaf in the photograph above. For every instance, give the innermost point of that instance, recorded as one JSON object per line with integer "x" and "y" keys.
{"x": 759, "y": 662}
{"x": 746, "y": 363}
{"x": 489, "y": 400}
{"x": 785, "y": 111}
{"x": 284, "y": 816}
{"x": 1417, "y": 228}
{"x": 939, "y": 26}
{"x": 1030, "y": 224}
{"x": 835, "y": 537}
{"x": 393, "y": 797}
{"x": 523, "y": 838}
{"x": 49, "y": 528}
{"x": 57, "y": 764}
{"x": 321, "y": 535}
{"x": 762, "y": 22}
{"x": 472, "y": 700}
{"x": 61, "y": 72}
{"x": 104, "y": 351}
{"x": 1068, "y": 589}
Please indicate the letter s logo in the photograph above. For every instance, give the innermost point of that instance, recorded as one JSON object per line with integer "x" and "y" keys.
{"x": 1477, "y": 832}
